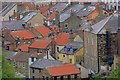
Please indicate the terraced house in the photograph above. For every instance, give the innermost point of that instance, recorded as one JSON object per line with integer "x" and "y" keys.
{"x": 19, "y": 37}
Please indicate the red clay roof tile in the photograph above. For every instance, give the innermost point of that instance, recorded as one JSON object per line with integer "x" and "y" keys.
{"x": 44, "y": 31}
{"x": 55, "y": 27}
{"x": 52, "y": 16}
{"x": 30, "y": 5}
{"x": 23, "y": 47}
{"x": 62, "y": 39}
{"x": 66, "y": 69}
{"x": 23, "y": 34}
{"x": 42, "y": 43}
{"x": 44, "y": 9}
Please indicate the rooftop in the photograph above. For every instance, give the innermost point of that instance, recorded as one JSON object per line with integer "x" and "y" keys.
{"x": 44, "y": 31}
{"x": 111, "y": 22}
{"x": 11, "y": 55}
{"x": 44, "y": 9}
{"x": 62, "y": 39}
{"x": 41, "y": 43}
{"x": 29, "y": 16}
{"x": 64, "y": 17}
{"x": 72, "y": 47}
{"x": 60, "y": 6}
{"x": 12, "y": 25}
{"x": 52, "y": 16}
{"x": 23, "y": 47}
{"x": 86, "y": 11}
{"x": 23, "y": 34}
{"x": 30, "y": 5}
{"x": 62, "y": 70}
{"x": 55, "y": 27}
{"x": 6, "y": 9}
{"x": 44, "y": 63}
{"x": 76, "y": 8}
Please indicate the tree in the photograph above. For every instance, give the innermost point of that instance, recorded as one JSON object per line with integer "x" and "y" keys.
{"x": 7, "y": 68}
{"x": 115, "y": 73}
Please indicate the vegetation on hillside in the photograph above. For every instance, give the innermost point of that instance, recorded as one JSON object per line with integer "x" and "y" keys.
{"x": 7, "y": 68}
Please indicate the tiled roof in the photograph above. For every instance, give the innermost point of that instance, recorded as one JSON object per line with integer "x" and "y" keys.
{"x": 44, "y": 31}
{"x": 66, "y": 69}
{"x": 55, "y": 27}
{"x": 23, "y": 47}
{"x": 42, "y": 43}
{"x": 23, "y": 34}
{"x": 44, "y": 63}
{"x": 44, "y": 9}
{"x": 52, "y": 16}
{"x": 22, "y": 57}
{"x": 62, "y": 39}
{"x": 30, "y": 5}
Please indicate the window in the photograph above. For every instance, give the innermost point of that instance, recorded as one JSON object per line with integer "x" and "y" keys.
{"x": 32, "y": 59}
{"x": 33, "y": 77}
{"x": 33, "y": 71}
{"x": 57, "y": 49}
{"x": 39, "y": 70}
{"x": 70, "y": 60}
{"x": 63, "y": 55}
{"x": 66, "y": 25}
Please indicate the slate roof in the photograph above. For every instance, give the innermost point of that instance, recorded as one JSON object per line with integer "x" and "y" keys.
{"x": 76, "y": 8}
{"x": 29, "y": 16}
{"x": 60, "y": 6}
{"x": 66, "y": 69}
{"x": 86, "y": 11}
{"x": 12, "y": 25}
{"x": 73, "y": 47}
{"x": 64, "y": 17}
{"x": 11, "y": 55}
{"x": 44, "y": 63}
{"x": 110, "y": 22}
{"x": 6, "y": 9}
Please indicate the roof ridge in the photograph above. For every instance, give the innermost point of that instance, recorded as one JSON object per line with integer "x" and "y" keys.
{"x": 106, "y": 22}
